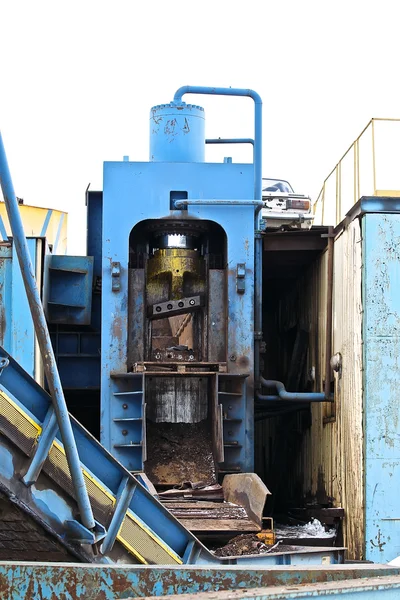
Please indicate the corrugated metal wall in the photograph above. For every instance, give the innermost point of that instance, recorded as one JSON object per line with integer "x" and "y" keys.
{"x": 332, "y": 456}
{"x": 323, "y": 446}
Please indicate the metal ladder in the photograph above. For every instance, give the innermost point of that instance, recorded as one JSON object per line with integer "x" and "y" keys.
{"x": 128, "y": 415}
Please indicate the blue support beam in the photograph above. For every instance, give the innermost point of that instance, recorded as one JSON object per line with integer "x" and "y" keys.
{"x": 124, "y": 496}
{"x": 49, "y": 432}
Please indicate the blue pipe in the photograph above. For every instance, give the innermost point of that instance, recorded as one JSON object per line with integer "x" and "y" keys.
{"x": 42, "y": 333}
{"x": 200, "y": 202}
{"x": 284, "y": 395}
{"x": 230, "y": 141}
{"x": 216, "y": 91}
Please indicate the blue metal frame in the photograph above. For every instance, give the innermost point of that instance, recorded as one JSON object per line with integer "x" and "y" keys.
{"x": 42, "y": 333}
{"x": 134, "y": 192}
{"x": 17, "y": 332}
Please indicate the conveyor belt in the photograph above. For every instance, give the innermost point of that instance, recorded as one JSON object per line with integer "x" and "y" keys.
{"x": 145, "y": 532}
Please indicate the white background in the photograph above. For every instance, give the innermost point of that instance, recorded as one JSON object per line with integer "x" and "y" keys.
{"x": 78, "y": 79}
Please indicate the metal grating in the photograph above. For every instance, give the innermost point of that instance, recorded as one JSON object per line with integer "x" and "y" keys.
{"x": 56, "y": 466}
{"x": 141, "y": 543}
{"x": 17, "y": 426}
{"x": 133, "y": 535}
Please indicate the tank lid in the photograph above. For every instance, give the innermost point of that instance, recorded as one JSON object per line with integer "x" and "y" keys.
{"x": 177, "y": 105}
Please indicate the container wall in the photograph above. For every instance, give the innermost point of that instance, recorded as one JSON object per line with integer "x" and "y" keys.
{"x": 381, "y": 331}
{"x": 316, "y": 454}
{"x": 332, "y": 454}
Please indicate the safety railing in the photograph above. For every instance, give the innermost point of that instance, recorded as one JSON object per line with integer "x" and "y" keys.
{"x": 369, "y": 167}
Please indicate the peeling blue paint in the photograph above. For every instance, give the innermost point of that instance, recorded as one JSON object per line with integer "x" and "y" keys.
{"x": 6, "y": 462}
{"x": 381, "y": 336}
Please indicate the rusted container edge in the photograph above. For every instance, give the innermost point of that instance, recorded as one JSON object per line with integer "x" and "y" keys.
{"x": 29, "y": 581}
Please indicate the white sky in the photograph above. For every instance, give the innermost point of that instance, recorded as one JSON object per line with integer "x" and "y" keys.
{"x": 78, "y": 79}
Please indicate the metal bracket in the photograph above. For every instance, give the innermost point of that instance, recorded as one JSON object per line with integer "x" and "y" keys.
{"x": 76, "y": 532}
{"x": 240, "y": 278}
{"x": 4, "y": 362}
{"x": 260, "y": 233}
{"x": 116, "y": 276}
{"x": 175, "y": 307}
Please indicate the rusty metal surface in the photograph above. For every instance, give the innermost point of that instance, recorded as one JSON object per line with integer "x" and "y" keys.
{"x": 217, "y": 311}
{"x": 249, "y": 491}
{"x": 30, "y": 581}
{"x": 388, "y": 587}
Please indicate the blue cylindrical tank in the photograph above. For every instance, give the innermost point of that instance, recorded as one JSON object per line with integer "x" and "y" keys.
{"x": 177, "y": 133}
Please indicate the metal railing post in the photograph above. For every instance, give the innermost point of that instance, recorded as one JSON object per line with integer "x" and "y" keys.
{"x": 43, "y": 336}
{"x": 373, "y": 155}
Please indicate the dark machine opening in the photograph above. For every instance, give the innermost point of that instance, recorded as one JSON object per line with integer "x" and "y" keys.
{"x": 288, "y": 260}
{"x": 84, "y": 405}
{"x": 177, "y": 336}
{"x": 78, "y": 353}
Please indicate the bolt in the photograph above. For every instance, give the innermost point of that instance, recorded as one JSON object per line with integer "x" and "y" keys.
{"x": 169, "y": 306}
{"x": 232, "y": 357}
{"x": 158, "y": 308}
{"x": 124, "y": 432}
{"x": 124, "y": 406}
{"x": 180, "y": 304}
{"x": 192, "y": 302}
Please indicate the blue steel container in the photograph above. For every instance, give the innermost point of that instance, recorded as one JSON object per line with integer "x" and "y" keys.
{"x": 177, "y": 133}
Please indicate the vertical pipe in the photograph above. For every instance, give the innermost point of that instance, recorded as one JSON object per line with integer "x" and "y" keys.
{"x": 337, "y": 219}
{"x": 358, "y": 171}
{"x": 373, "y": 154}
{"x": 192, "y": 89}
{"x": 215, "y": 91}
{"x": 329, "y": 305}
{"x": 42, "y": 333}
{"x": 257, "y": 304}
{"x": 355, "y": 152}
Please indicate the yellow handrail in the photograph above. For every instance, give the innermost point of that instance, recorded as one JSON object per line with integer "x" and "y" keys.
{"x": 348, "y": 181}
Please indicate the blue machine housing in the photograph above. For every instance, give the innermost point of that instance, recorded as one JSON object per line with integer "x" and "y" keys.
{"x": 134, "y": 192}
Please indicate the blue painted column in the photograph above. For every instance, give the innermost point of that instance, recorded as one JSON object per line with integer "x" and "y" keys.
{"x": 22, "y": 342}
{"x": 17, "y": 334}
{"x": 381, "y": 355}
